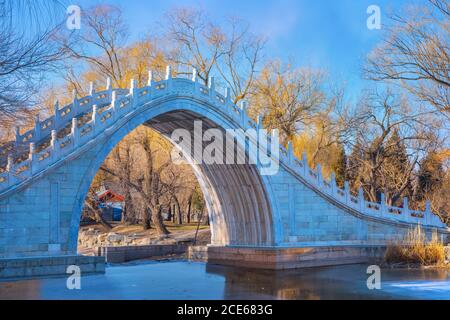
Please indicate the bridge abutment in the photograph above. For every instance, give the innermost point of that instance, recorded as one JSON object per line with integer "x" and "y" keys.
{"x": 49, "y": 266}
{"x": 282, "y": 258}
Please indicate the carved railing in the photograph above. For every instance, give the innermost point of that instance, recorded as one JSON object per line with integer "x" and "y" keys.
{"x": 358, "y": 202}
{"x": 73, "y": 125}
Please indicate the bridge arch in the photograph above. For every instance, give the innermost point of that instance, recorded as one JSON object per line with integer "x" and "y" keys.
{"x": 236, "y": 195}
{"x": 41, "y": 195}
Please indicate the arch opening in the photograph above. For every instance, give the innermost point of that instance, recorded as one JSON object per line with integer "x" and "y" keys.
{"x": 235, "y": 196}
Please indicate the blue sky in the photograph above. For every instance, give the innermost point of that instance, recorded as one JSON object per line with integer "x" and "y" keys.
{"x": 319, "y": 33}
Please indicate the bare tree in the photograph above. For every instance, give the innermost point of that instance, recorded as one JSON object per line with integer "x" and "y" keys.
{"x": 440, "y": 198}
{"x": 151, "y": 184}
{"x": 105, "y": 33}
{"x": 180, "y": 184}
{"x": 230, "y": 50}
{"x": 92, "y": 210}
{"x": 141, "y": 163}
{"x": 122, "y": 161}
{"x": 197, "y": 43}
{"x": 287, "y": 98}
{"x": 416, "y": 54}
{"x": 102, "y": 47}
{"x": 392, "y": 136}
{"x": 27, "y": 54}
{"x": 238, "y": 66}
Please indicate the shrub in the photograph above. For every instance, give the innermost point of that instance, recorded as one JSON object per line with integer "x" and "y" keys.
{"x": 415, "y": 248}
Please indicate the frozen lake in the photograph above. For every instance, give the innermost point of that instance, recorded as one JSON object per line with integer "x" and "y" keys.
{"x": 194, "y": 280}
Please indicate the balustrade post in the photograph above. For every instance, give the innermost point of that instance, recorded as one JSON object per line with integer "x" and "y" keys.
{"x": 91, "y": 88}
{"x": 57, "y": 116}
{"x": 54, "y": 144}
{"x": 75, "y": 103}
{"x": 347, "y": 191}
{"x": 195, "y": 80}
{"x": 228, "y": 101}
{"x": 133, "y": 93}
{"x": 274, "y": 148}
{"x": 333, "y": 183}
{"x": 74, "y": 131}
{"x": 243, "y": 112}
{"x": 244, "y": 105}
{"x": 31, "y": 156}
{"x": 259, "y": 122}
{"x": 114, "y": 107}
{"x": 150, "y": 78}
{"x": 383, "y": 207}
{"x": 94, "y": 117}
{"x": 427, "y": 215}
{"x": 405, "y": 210}
{"x": 305, "y": 164}
{"x": 17, "y": 133}
{"x": 361, "y": 199}
{"x": 169, "y": 77}
{"x": 290, "y": 152}
{"x": 168, "y": 72}
{"x": 227, "y": 95}
{"x": 37, "y": 128}
{"x": 212, "y": 87}
{"x": 150, "y": 83}
{"x": 10, "y": 163}
{"x": 108, "y": 84}
{"x": 132, "y": 86}
{"x": 109, "y": 88}
{"x": 319, "y": 175}
{"x": 10, "y": 168}
{"x": 32, "y": 151}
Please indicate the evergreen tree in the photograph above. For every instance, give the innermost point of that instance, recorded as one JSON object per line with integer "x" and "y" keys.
{"x": 354, "y": 164}
{"x": 395, "y": 173}
{"x": 339, "y": 166}
{"x": 198, "y": 202}
{"x": 430, "y": 175}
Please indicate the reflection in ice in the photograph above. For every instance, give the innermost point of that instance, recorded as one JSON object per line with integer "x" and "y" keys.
{"x": 188, "y": 280}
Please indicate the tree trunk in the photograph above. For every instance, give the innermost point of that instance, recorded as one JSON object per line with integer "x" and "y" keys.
{"x": 158, "y": 221}
{"x": 188, "y": 215}
{"x": 179, "y": 213}
{"x": 198, "y": 227}
{"x": 170, "y": 215}
{"x": 146, "y": 221}
{"x": 98, "y": 215}
{"x": 127, "y": 210}
{"x": 207, "y": 217}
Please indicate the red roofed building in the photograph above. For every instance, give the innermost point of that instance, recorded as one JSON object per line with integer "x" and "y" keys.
{"x": 109, "y": 196}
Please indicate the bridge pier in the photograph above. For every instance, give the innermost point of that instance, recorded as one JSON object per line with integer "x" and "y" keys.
{"x": 48, "y": 266}
{"x": 279, "y": 258}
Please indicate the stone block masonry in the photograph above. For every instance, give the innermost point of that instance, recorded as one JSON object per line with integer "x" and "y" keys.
{"x": 129, "y": 253}
{"x": 34, "y": 267}
{"x": 286, "y": 258}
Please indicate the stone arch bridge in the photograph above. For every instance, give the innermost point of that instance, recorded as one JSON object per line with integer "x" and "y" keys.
{"x": 291, "y": 218}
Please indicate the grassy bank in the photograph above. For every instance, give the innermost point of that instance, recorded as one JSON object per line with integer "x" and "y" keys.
{"x": 416, "y": 250}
